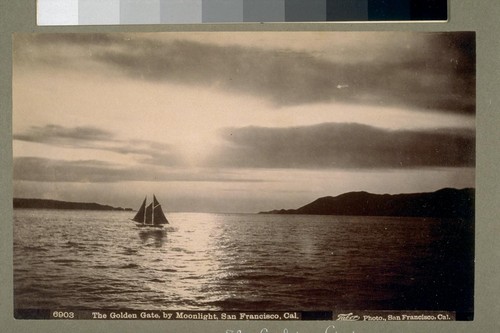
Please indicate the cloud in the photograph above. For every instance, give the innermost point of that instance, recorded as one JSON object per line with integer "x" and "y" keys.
{"x": 148, "y": 152}
{"x": 428, "y": 71}
{"x": 344, "y": 145}
{"x": 64, "y": 136}
{"x": 94, "y": 171}
{"x": 42, "y": 169}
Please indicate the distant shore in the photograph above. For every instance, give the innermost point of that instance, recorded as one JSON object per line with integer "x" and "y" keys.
{"x": 20, "y": 203}
{"x": 444, "y": 203}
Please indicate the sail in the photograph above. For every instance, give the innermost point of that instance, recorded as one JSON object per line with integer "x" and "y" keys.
{"x": 139, "y": 217}
{"x": 158, "y": 215}
{"x": 149, "y": 214}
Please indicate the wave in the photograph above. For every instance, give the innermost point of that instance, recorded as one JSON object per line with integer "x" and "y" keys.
{"x": 35, "y": 248}
{"x": 128, "y": 251}
{"x": 157, "y": 280}
{"x": 169, "y": 270}
{"x": 66, "y": 261}
{"x": 72, "y": 244}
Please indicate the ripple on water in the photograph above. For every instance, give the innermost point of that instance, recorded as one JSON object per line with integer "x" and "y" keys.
{"x": 234, "y": 262}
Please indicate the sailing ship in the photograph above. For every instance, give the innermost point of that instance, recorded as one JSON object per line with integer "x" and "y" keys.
{"x": 150, "y": 216}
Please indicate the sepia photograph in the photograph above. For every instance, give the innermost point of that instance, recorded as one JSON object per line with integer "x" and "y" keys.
{"x": 280, "y": 173}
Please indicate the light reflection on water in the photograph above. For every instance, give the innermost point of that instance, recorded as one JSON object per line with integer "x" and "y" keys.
{"x": 101, "y": 260}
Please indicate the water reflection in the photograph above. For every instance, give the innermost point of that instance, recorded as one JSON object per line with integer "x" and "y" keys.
{"x": 235, "y": 261}
{"x": 157, "y": 236}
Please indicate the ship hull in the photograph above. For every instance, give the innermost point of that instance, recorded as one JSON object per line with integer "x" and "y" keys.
{"x": 156, "y": 226}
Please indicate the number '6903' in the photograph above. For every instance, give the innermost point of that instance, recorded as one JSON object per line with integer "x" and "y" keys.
{"x": 63, "y": 314}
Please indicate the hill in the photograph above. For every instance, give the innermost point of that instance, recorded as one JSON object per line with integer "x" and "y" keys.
{"x": 446, "y": 203}
{"x": 55, "y": 204}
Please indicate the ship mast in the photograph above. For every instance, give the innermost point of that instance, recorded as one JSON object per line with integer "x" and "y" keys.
{"x": 153, "y": 212}
{"x": 144, "y": 220}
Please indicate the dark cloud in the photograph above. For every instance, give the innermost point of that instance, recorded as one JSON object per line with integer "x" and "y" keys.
{"x": 148, "y": 152}
{"x": 437, "y": 72}
{"x": 93, "y": 171}
{"x": 345, "y": 145}
{"x": 47, "y": 170}
{"x": 63, "y": 136}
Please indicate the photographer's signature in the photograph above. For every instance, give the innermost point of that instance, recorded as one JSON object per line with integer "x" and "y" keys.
{"x": 348, "y": 317}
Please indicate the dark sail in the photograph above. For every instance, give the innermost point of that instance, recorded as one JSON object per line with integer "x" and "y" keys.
{"x": 149, "y": 214}
{"x": 159, "y": 217}
{"x": 139, "y": 217}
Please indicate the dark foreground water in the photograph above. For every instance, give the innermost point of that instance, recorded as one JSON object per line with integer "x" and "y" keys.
{"x": 100, "y": 260}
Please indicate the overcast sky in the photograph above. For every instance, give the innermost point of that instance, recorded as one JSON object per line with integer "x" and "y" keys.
{"x": 241, "y": 122}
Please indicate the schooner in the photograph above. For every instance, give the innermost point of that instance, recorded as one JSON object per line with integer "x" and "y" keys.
{"x": 150, "y": 216}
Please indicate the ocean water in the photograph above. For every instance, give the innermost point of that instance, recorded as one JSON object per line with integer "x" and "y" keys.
{"x": 221, "y": 262}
